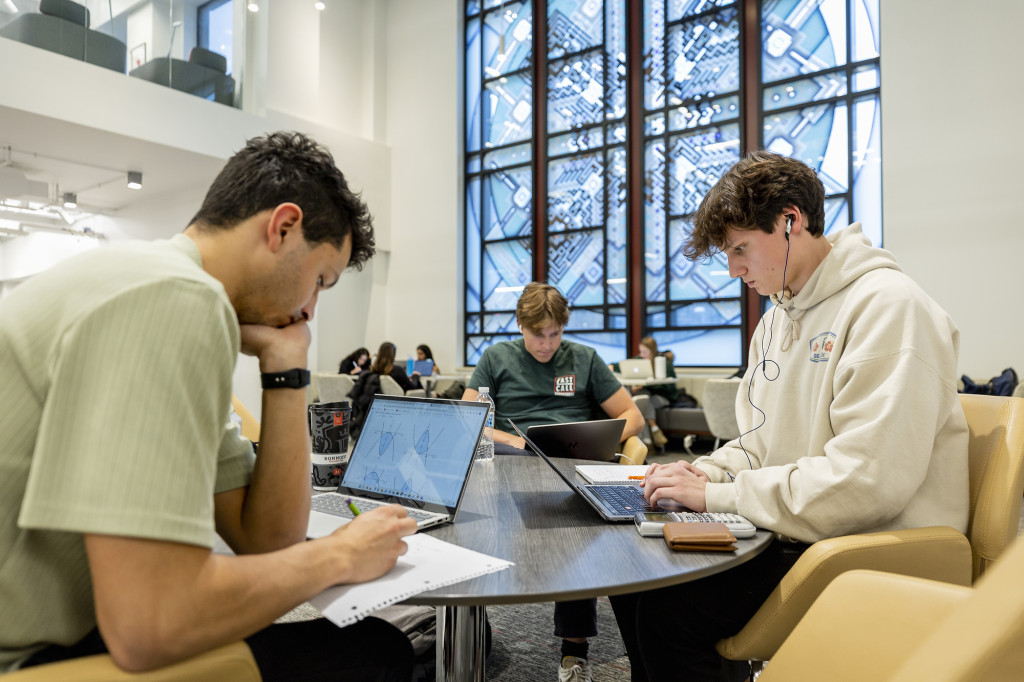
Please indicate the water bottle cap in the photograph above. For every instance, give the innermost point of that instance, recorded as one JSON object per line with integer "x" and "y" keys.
{"x": 484, "y": 389}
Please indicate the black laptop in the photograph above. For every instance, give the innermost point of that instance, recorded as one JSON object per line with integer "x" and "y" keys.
{"x": 597, "y": 440}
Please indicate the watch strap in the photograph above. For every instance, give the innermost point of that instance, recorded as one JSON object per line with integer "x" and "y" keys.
{"x": 292, "y": 378}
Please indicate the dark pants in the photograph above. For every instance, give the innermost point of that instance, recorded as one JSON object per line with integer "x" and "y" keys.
{"x": 371, "y": 650}
{"x": 576, "y": 618}
{"x": 670, "y": 633}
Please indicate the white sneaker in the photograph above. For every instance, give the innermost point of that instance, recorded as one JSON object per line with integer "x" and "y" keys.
{"x": 574, "y": 670}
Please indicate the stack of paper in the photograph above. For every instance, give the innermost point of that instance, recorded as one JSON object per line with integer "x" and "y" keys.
{"x": 621, "y": 474}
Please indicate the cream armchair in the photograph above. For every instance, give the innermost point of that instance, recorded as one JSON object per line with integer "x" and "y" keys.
{"x": 996, "y": 457}
{"x": 892, "y": 628}
{"x": 233, "y": 662}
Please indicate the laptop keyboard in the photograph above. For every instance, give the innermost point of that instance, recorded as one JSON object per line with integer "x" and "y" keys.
{"x": 335, "y": 505}
{"x": 626, "y": 499}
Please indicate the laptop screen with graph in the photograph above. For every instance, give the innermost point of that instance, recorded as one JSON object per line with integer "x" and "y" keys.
{"x": 416, "y": 450}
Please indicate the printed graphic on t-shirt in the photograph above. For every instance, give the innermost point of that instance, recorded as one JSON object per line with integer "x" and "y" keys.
{"x": 821, "y": 346}
{"x": 565, "y": 386}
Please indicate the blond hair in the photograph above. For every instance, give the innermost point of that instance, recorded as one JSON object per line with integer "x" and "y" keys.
{"x": 540, "y": 306}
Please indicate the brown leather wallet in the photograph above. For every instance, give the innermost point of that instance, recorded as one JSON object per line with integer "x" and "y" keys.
{"x": 699, "y": 536}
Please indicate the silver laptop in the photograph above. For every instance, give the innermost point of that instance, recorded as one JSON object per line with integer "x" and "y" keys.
{"x": 636, "y": 368}
{"x": 596, "y": 440}
{"x": 614, "y": 502}
{"x": 417, "y": 452}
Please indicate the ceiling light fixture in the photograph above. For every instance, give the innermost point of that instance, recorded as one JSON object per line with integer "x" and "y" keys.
{"x": 134, "y": 180}
{"x": 319, "y": 4}
{"x": 253, "y": 6}
{"x": 70, "y": 200}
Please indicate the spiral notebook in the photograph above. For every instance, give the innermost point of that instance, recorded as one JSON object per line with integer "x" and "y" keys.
{"x": 430, "y": 563}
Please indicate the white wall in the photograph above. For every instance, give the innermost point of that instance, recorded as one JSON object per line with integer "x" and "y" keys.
{"x": 951, "y": 148}
{"x": 424, "y": 290}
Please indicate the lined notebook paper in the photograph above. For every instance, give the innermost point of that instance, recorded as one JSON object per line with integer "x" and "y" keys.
{"x": 612, "y": 473}
{"x": 430, "y": 563}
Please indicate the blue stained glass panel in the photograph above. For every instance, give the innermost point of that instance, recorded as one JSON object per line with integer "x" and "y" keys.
{"x": 654, "y": 54}
{"x": 654, "y": 220}
{"x": 696, "y": 161}
{"x": 802, "y": 37}
{"x": 703, "y": 57}
{"x": 501, "y": 322}
{"x": 697, "y": 279}
{"x": 615, "y": 59}
{"x": 472, "y": 324}
{"x": 704, "y": 113}
{"x": 610, "y": 346}
{"x": 508, "y": 39}
{"x": 837, "y": 214}
{"x": 867, "y": 168}
{"x": 616, "y": 263}
{"x": 574, "y": 26}
{"x": 706, "y": 313}
{"x": 654, "y": 124}
{"x": 581, "y": 319}
{"x": 617, "y": 318}
{"x": 813, "y": 89}
{"x": 576, "y": 192}
{"x": 508, "y": 110}
{"x": 507, "y": 200}
{"x": 473, "y": 164}
{"x": 473, "y": 244}
{"x": 575, "y": 92}
{"x": 865, "y": 78}
{"x": 705, "y": 347}
{"x": 508, "y": 267}
{"x": 576, "y": 141}
{"x": 865, "y": 29}
{"x": 576, "y": 266}
{"x": 473, "y": 76}
{"x": 476, "y": 345}
{"x": 508, "y": 156}
{"x": 472, "y": 7}
{"x": 817, "y": 136}
{"x": 678, "y": 9}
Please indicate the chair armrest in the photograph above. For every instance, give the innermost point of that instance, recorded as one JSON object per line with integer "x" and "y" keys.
{"x": 863, "y": 626}
{"x": 231, "y": 662}
{"x": 633, "y": 451}
{"x": 416, "y": 393}
{"x": 936, "y": 553}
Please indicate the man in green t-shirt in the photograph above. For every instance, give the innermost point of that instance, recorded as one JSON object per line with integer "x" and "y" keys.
{"x": 118, "y": 462}
{"x": 542, "y": 379}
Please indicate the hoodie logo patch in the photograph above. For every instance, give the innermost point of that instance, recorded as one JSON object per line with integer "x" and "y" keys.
{"x": 821, "y": 346}
{"x": 565, "y": 386}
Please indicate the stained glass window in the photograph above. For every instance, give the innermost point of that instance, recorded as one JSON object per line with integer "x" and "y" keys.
{"x": 562, "y": 119}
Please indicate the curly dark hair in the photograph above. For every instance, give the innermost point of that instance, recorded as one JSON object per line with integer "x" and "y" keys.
{"x": 290, "y": 167}
{"x": 751, "y": 195}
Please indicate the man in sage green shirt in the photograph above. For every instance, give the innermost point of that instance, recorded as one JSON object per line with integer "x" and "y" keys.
{"x": 117, "y": 461}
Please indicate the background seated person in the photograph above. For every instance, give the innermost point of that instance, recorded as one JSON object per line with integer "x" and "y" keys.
{"x": 355, "y": 362}
{"x": 541, "y": 379}
{"x": 423, "y": 353}
{"x": 660, "y": 395}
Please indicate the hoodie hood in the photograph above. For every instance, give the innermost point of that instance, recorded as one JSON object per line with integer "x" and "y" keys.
{"x": 851, "y": 256}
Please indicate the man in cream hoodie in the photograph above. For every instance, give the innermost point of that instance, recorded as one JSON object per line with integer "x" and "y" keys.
{"x": 848, "y": 411}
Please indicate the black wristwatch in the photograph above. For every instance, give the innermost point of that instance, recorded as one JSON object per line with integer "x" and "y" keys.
{"x": 293, "y": 378}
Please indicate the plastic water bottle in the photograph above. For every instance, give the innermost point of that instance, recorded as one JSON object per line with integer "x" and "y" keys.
{"x": 485, "y": 448}
{"x": 409, "y": 364}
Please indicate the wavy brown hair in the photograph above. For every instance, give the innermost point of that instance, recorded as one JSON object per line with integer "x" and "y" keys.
{"x": 751, "y": 196}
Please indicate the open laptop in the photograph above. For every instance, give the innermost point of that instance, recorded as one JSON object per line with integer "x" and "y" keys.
{"x": 417, "y": 452}
{"x": 596, "y": 440}
{"x": 612, "y": 502}
{"x": 636, "y": 368}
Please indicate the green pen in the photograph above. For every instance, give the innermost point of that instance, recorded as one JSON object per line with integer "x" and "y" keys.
{"x": 352, "y": 506}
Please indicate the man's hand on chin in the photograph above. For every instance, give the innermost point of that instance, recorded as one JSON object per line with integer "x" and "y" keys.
{"x": 278, "y": 348}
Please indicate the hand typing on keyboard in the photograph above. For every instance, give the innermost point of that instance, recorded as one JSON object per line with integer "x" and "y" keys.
{"x": 679, "y": 481}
